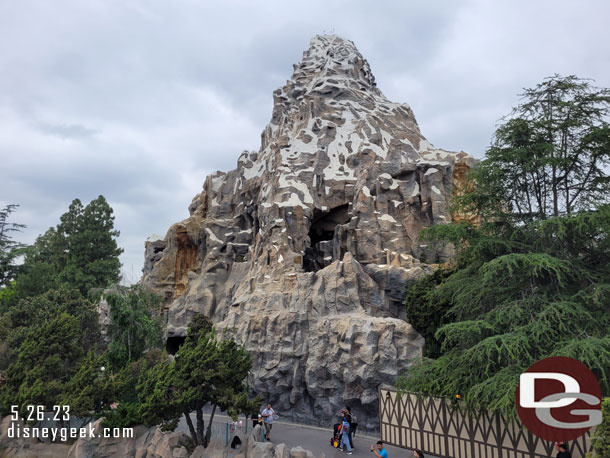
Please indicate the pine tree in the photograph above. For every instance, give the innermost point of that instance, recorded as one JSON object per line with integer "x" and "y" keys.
{"x": 205, "y": 371}
{"x": 550, "y": 157}
{"x": 9, "y": 249}
{"x": 532, "y": 280}
{"x": 47, "y": 337}
{"x": 80, "y": 251}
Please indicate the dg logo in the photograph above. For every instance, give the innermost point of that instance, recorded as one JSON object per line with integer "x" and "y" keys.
{"x": 559, "y": 399}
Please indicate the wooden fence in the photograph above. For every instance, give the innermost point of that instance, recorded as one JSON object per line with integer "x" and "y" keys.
{"x": 439, "y": 428}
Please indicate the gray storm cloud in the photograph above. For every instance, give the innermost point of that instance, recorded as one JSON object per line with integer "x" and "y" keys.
{"x": 139, "y": 101}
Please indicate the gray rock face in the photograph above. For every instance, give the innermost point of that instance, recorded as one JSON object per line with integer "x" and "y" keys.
{"x": 303, "y": 251}
{"x": 12, "y": 447}
{"x": 145, "y": 443}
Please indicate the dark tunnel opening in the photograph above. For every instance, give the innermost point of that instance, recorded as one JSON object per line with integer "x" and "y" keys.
{"x": 321, "y": 234}
{"x": 173, "y": 344}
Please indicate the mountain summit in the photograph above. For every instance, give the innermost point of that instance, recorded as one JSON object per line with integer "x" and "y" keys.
{"x": 303, "y": 252}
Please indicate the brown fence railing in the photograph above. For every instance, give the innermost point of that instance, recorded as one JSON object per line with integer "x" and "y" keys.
{"x": 439, "y": 428}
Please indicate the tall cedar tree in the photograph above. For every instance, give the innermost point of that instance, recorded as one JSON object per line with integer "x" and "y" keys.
{"x": 81, "y": 251}
{"x": 550, "y": 157}
{"x": 532, "y": 280}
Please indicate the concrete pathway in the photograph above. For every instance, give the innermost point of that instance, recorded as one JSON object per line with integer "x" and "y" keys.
{"x": 316, "y": 439}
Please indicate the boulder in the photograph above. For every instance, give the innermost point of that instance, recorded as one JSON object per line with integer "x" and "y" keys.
{"x": 145, "y": 443}
{"x": 281, "y": 451}
{"x": 215, "y": 449}
{"x": 19, "y": 447}
{"x": 262, "y": 450}
{"x": 299, "y": 452}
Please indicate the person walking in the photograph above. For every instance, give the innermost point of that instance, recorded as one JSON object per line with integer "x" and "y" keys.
{"x": 345, "y": 435}
{"x": 379, "y": 451}
{"x": 352, "y": 425}
{"x": 267, "y": 415}
{"x": 257, "y": 419}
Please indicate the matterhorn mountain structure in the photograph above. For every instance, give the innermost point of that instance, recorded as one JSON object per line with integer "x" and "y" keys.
{"x": 303, "y": 252}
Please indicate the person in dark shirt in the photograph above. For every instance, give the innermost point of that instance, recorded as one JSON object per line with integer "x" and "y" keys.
{"x": 352, "y": 425}
{"x": 418, "y": 453}
{"x": 256, "y": 419}
{"x": 562, "y": 447}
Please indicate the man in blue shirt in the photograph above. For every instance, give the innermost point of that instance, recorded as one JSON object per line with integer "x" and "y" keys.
{"x": 268, "y": 420}
{"x": 380, "y": 452}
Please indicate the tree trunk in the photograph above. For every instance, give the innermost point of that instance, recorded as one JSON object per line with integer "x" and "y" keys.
{"x": 208, "y": 433}
{"x": 200, "y": 426}
{"x": 189, "y": 422}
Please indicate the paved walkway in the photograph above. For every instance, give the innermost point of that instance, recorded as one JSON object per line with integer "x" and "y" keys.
{"x": 317, "y": 439}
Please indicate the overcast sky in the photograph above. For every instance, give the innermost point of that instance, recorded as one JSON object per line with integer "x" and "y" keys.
{"x": 140, "y": 100}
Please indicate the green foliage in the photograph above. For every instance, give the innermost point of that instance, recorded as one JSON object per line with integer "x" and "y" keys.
{"x": 424, "y": 312}
{"x": 29, "y": 314}
{"x": 9, "y": 249}
{"x": 7, "y": 296}
{"x": 81, "y": 252}
{"x": 205, "y": 370}
{"x": 550, "y": 156}
{"x": 199, "y": 326}
{"x": 135, "y": 325}
{"x": 120, "y": 391}
{"x": 90, "y": 387}
{"x": 45, "y": 338}
{"x": 600, "y": 439}
{"x": 126, "y": 414}
{"x": 48, "y": 331}
{"x": 514, "y": 296}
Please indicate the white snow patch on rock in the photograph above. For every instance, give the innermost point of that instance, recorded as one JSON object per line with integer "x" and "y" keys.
{"x": 155, "y": 238}
{"x": 212, "y": 235}
{"x": 387, "y": 218}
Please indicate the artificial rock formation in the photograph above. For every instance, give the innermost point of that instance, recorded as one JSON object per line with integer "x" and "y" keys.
{"x": 303, "y": 251}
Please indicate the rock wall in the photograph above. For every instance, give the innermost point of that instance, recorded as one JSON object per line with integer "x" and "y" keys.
{"x": 145, "y": 443}
{"x": 304, "y": 250}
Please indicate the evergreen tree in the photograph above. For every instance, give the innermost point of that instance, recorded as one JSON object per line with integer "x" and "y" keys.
{"x": 81, "y": 252}
{"x": 204, "y": 371}
{"x": 9, "y": 249}
{"x": 550, "y": 157}
{"x": 47, "y": 337}
{"x": 89, "y": 236}
{"x": 91, "y": 387}
{"x": 532, "y": 280}
{"x": 601, "y": 439}
{"x": 512, "y": 299}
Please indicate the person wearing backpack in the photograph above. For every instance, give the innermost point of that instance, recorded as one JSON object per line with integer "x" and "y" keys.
{"x": 345, "y": 441}
{"x": 353, "y": 424}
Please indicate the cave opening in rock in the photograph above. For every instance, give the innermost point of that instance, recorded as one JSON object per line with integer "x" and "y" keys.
{"x": 321, "y": 234}
{"x": 173, "y": 343}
